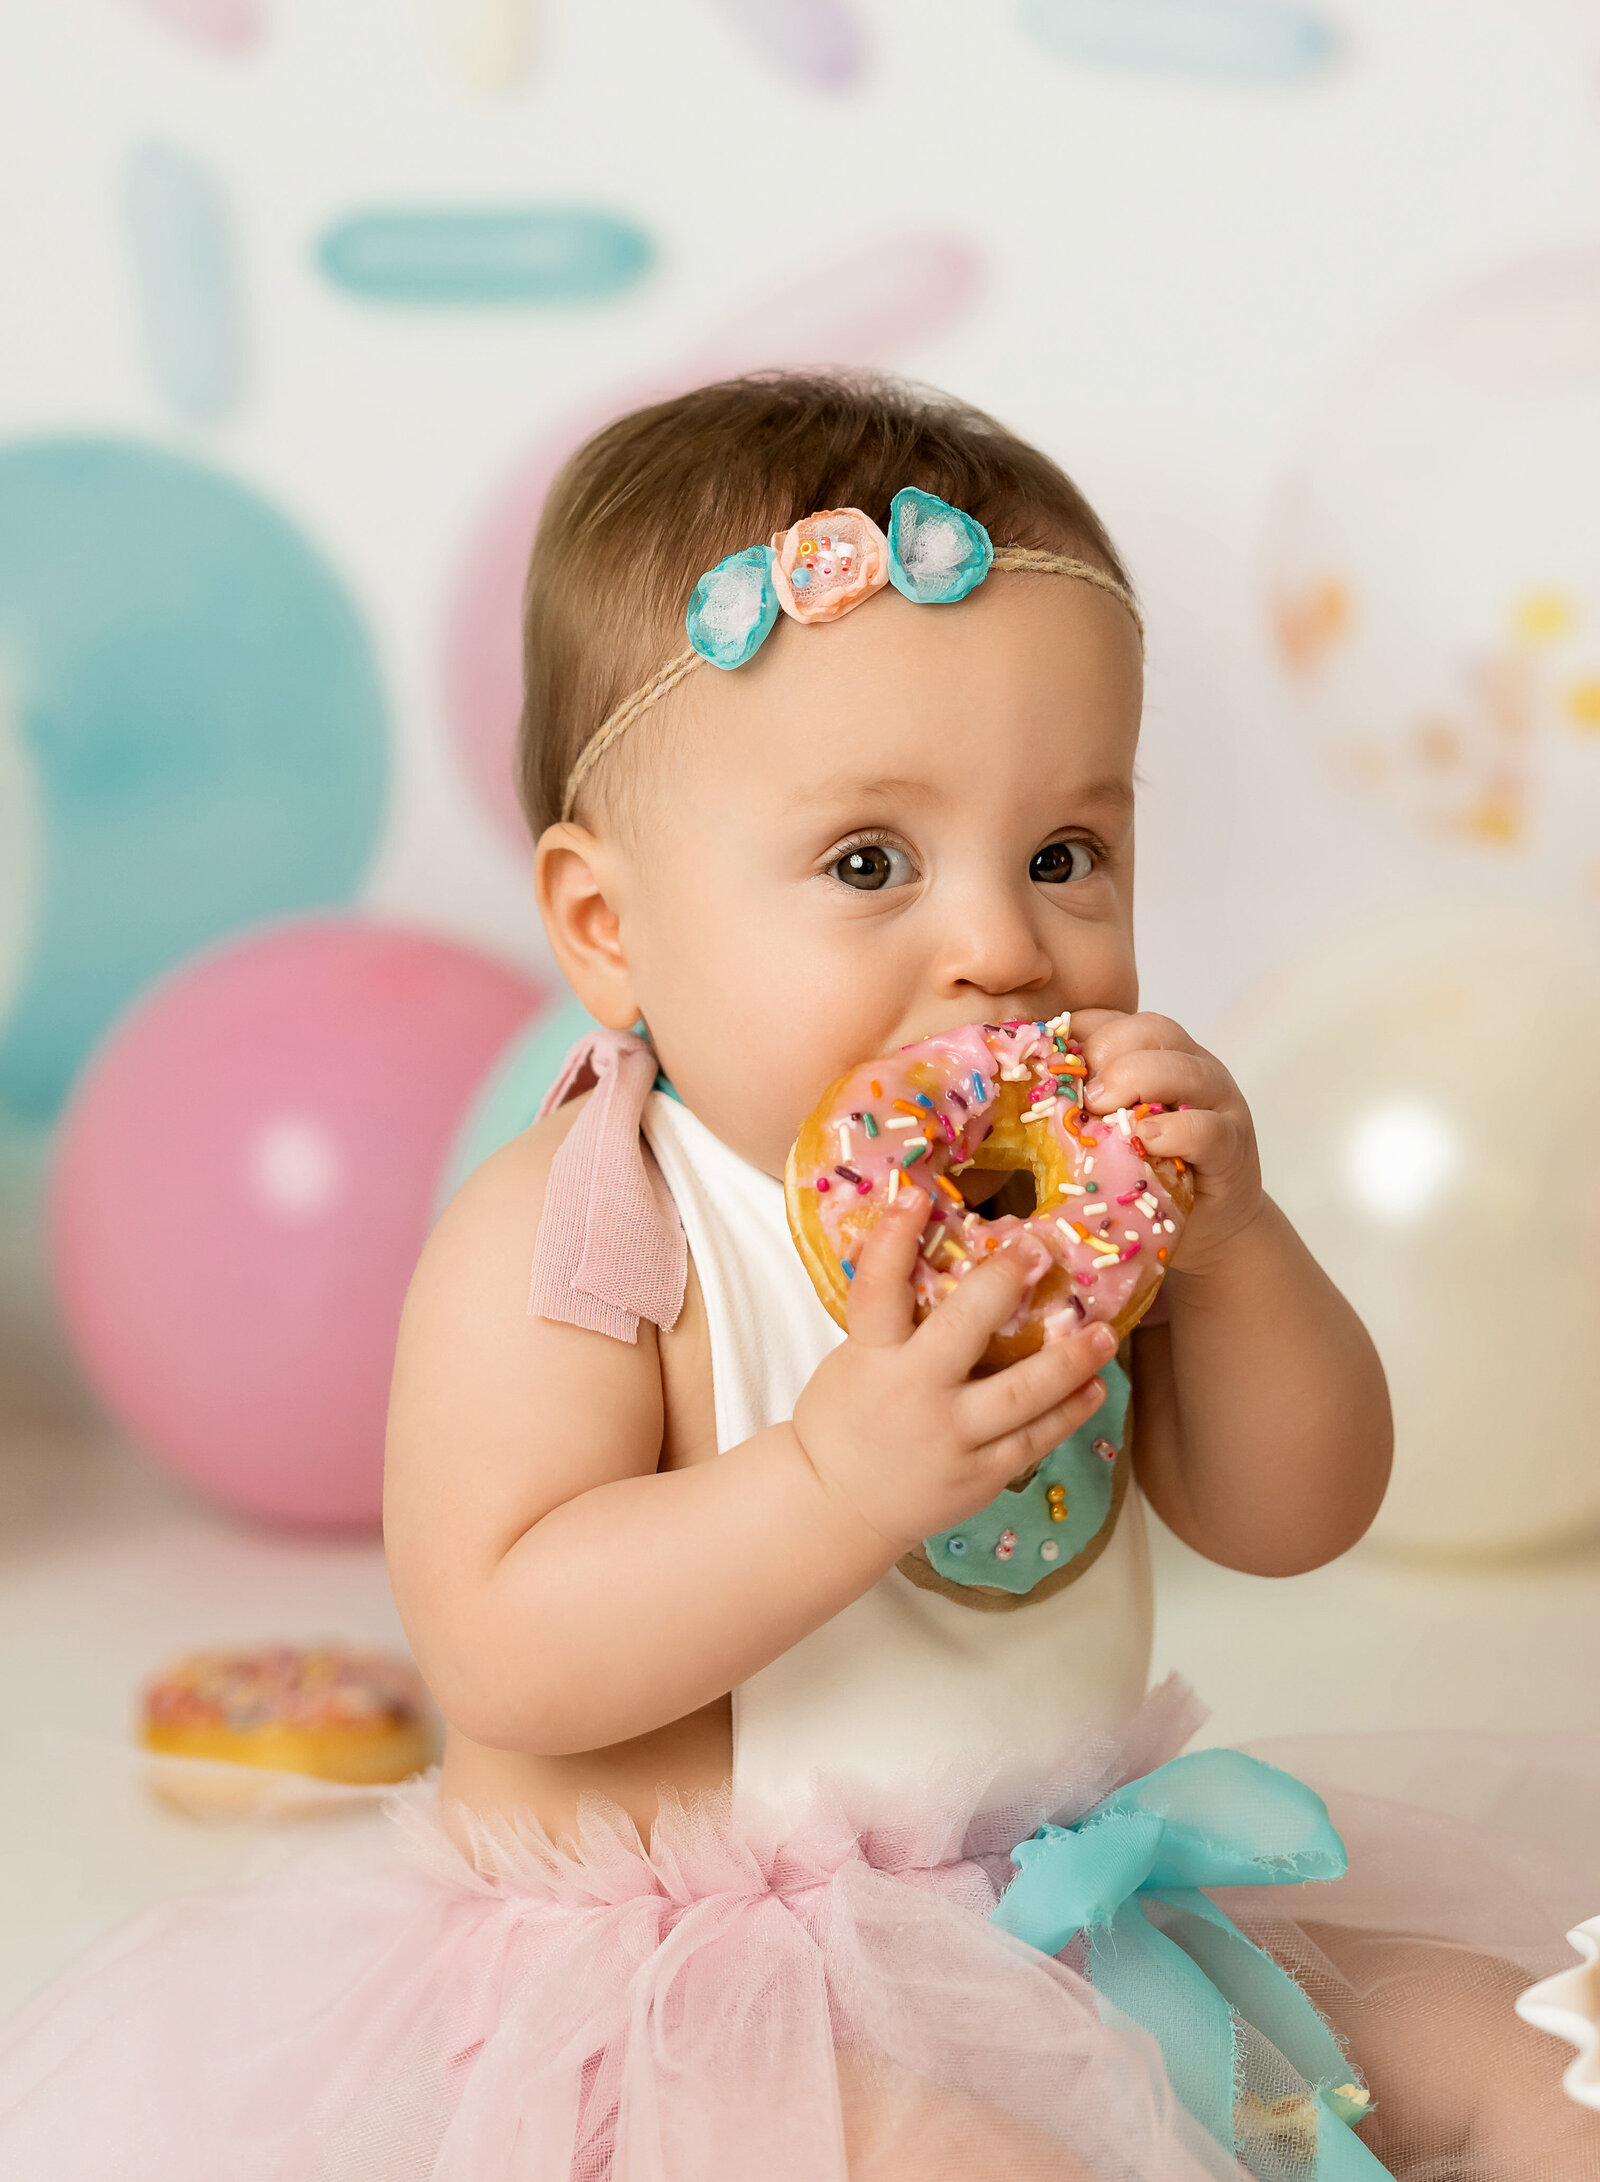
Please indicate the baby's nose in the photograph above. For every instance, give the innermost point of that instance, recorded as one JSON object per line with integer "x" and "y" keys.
{"x": 990, "y": 944}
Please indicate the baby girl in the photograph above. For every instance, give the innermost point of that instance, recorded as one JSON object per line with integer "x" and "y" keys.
{"x": 716, "y": 1880}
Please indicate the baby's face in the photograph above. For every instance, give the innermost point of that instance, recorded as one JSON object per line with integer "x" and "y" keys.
{"x": 915, "y": 817}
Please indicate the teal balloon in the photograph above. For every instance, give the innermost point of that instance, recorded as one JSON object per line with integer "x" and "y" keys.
{"x": 512, "y": 1094}
{"x": 514, "y": 256}
{"x": 1231, "y": 41}
{"x": 195, "y": 702}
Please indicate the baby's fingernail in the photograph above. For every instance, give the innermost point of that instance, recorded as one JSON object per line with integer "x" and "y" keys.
{"x": 1102, "y": 1340}
{"x": 1093, "y": 1087}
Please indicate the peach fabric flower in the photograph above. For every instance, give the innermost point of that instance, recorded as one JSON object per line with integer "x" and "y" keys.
{"x": 828, "y": 563}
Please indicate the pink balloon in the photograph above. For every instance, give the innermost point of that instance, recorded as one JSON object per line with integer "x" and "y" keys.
{"x": 859, "y": 311}
{"x": 242, "y": 1183}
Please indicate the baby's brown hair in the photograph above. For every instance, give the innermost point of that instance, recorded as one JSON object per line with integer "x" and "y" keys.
{"x": 645, "y": 507}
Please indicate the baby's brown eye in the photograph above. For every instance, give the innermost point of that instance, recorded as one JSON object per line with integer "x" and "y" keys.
{"x": 1059, "y": 860}
{"x": 871, "y": 866}
{"x": 864, "y": 867}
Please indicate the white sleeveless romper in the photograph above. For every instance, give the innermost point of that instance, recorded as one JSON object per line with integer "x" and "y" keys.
{"x": 903, "y": 1678}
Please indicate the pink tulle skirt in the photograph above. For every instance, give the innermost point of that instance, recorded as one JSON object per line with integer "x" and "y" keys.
{"x": 809, "y": 1998}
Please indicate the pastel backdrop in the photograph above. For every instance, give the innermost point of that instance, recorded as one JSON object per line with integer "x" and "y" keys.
{"x": 305, "y": 306}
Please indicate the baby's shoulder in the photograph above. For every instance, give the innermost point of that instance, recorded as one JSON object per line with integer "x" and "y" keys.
{"x": 474, "y": 1363}
{"x": 496, "y": 1210}
{"x": 477, "y": 1261}
{"x": 506, "y": 1191}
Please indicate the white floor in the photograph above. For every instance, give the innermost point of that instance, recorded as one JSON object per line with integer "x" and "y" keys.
{"x": 107, "y": 1568}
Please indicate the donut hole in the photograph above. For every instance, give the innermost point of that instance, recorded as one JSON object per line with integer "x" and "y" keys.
{"x": 1016, "y": 1198}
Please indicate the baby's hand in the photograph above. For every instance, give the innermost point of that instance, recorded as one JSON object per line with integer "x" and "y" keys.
{"x": 1137, "y": 1058}
{"x": 892, "y": 1420}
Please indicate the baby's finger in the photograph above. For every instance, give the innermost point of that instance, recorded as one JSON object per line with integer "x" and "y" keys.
{"x": 1087, "y": 1023}
{"x": 958, "y": 1329}
{"x": 1106, "y": 1041}
{"x": 880, "y": 1310}
{"x": 1210, "y": 1143}
{"x": 1027, "y": 1447}
{"x": 1152, "y": 1075}
{"x": 1007, "y": 1401}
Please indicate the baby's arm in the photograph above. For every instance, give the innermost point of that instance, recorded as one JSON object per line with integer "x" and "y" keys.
{"x": 561, "y": 1593}
{"x": 1263, "y": 1435}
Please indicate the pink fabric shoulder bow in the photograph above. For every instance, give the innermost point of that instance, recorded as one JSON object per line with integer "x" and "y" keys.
{"x": 610, "y": 1248}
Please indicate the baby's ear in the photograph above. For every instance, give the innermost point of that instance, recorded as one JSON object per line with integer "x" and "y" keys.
{"x": 577, "y": 878}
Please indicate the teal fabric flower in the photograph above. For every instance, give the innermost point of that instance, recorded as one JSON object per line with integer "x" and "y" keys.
{"x": 733, "y": 608}
{"x": 936, "y": 554}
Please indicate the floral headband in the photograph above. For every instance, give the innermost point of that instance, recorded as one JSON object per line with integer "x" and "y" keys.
{"x": 824, "y": 566}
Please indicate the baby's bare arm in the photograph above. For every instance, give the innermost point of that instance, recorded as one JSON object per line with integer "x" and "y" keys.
{"x": 560, "y": 1592}
{"x": 1263, "y": 1430}
{"x": 1263, "y": 1434}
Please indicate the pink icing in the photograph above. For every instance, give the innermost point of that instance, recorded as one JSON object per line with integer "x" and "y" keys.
{"x": 1105, "y": 1233}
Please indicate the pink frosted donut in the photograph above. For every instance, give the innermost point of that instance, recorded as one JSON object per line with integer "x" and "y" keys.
{"x": 1009, "y": 1096}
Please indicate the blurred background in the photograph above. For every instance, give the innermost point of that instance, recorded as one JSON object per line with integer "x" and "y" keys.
{"x": 302, "y": 308}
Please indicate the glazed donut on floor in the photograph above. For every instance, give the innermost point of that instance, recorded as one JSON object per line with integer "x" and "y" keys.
{"x": 1007, "y": 1096}
{"x": 333, "y": 1711}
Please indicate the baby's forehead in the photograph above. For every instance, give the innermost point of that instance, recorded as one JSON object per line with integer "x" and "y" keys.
{"x": 922, "y": 704}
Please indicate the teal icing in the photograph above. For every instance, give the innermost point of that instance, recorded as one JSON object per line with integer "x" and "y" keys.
{"x": 966, "y": 1553}
{"x": 661, "y": 1084}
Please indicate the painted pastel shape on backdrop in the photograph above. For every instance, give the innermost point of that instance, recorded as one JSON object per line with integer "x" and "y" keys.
{"x": 181, "y": 237}
{"x": 1444, "y": 668}
{"x": 1237, "y": 41}
{"x": 484, "y": 46}
{"x": 818, "y": 43}
{"x": 225, "y": 26}
{"x": 513, "y": 256}
{"x": 198, "y": 706}
{"x": 864, "y": 309}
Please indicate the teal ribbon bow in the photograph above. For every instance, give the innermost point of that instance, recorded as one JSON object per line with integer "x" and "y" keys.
{"x": 1190, "y": 1977}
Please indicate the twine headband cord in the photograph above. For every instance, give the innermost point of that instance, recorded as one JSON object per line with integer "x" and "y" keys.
{"x": 824, "y": 566}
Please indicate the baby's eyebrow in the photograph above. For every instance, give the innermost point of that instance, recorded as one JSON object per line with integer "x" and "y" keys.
{"x": 852, "y": 788}
{"x": 1116, "y": 789}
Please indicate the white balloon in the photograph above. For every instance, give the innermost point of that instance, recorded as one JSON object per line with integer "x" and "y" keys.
{"x": 1424, "y": 1103}
{"x": 1433, "y": 577}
